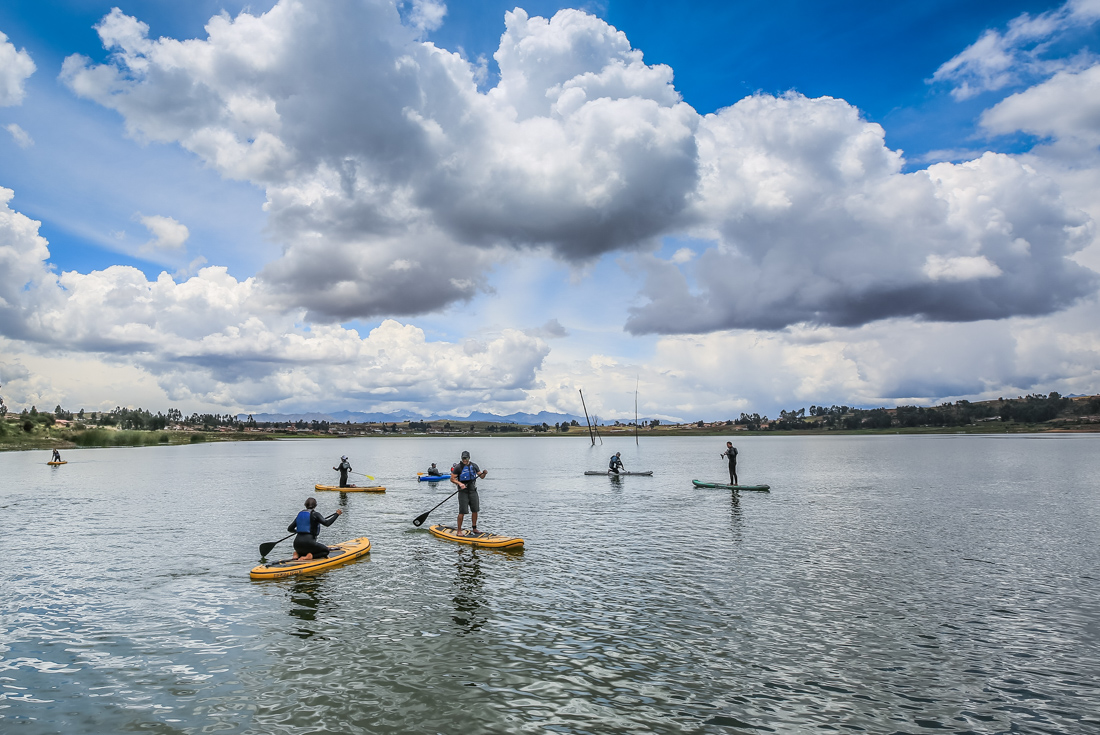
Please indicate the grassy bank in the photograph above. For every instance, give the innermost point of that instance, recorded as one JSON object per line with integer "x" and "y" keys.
{"x": 16, "y": 435}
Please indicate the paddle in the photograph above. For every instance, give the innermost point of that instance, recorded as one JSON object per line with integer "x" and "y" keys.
{"x": 265, "y": 549}
{"x": 419, "y": 520}
{"x": 360, "y": 473}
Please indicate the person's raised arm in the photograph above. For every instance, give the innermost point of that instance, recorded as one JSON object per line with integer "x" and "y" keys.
{"x": 332, "y": 518}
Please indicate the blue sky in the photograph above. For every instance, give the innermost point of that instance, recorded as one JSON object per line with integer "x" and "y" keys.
{"x": 108, "y": 163}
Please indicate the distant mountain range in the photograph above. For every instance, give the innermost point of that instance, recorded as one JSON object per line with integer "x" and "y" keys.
{"x": 358, "y": 417}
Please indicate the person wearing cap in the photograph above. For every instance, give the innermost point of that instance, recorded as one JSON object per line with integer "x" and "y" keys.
{"x": 616, "y": 463}
{"x": 464, "y": 475}
{"x": 343, "y": 468}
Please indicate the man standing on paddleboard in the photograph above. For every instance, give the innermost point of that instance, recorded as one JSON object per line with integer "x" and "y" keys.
{"x": 343, "y": 468}
{"x": 464, "y": 475}
{"x": 731, "y": 454}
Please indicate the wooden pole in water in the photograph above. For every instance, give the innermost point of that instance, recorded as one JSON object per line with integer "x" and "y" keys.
{"x": 598, "y": 430}
{"x": 590, "y": 436}
{"x": 636, "y": 413}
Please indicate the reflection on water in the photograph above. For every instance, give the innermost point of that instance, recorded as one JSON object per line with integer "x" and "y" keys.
{"x": 306, "y": 598}
{"x": 886, "y": 584}
{"x": 735, "y": 516}
{"x": 469, "y": 595}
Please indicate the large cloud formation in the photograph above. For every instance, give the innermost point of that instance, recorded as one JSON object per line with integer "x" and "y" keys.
{"x": 818, "y": 225}
{"x": 386, "y": 168}
{"x": 216, "y": 340}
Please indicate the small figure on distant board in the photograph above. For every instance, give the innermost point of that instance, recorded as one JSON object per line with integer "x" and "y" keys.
{"x": 344, "y": 468}
{"x": 308, "y": 524}
{"x": 464, "y": 475}
{"x": 731, "y": 454}
{"x": 56, "y": 456}
{"x": 616, "y": 463}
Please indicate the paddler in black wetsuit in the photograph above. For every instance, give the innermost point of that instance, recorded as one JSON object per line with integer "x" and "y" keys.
{"x": 344, "y": 468}
{"x": 56, "y": 456}
{"x": 731, "y": 454}
{"x": 616, "y": 464}
{"x": 433, "y": 471}
{"x": 308, "y": 524}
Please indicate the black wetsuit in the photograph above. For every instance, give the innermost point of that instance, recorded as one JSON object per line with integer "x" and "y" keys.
{"x": 731, "y": 454}
{"x": 344, "y": 468}
{"x": 615, "y": 464}
{"x": 306, "y": 543}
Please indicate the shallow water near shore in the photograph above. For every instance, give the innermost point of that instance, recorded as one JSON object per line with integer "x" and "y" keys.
{"x": 885, "y": 584}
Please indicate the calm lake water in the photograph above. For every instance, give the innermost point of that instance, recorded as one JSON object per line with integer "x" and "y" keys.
{"x": 886, "y": 584}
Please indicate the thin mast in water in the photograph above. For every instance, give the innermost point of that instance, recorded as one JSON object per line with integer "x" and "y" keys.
{"x": 590, "y": 436}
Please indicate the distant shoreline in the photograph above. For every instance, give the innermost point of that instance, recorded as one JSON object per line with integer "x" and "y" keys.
{"x": 77, "y": 439}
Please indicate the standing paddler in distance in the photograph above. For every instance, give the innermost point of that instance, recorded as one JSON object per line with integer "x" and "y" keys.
{"x": 616, "y": 463}
{"x": 308, "y": 524}
{"x": 464, "y": 476}
{"x": 344, "y": 468}
{"x": 731, "y": 455}
{"x": 56, "y": 456}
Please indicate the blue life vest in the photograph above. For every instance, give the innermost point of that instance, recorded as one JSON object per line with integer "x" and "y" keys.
{"x": 614, "y": 462}
{"x": 467, "y": 473}
{"x": 304, "y": 521}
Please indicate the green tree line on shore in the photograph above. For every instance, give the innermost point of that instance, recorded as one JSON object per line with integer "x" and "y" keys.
{"x": 1033, "y": 409}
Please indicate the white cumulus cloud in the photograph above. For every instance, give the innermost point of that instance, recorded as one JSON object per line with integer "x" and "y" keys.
{"x": 16, "y": 66}
{"x": 216, "y": 340}
{"x": 1065, "y": 107}
{"x": 168, "y": 234}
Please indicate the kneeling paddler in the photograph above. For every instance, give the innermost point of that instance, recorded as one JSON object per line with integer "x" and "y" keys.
{"x": 308, "y": 524}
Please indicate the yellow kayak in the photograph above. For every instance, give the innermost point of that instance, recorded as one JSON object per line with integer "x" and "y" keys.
{"x": 352, "y": 489}
{"x": 485, "y": 540}
{"x": 342, "y": 552}
{"x": 55, "y": 464}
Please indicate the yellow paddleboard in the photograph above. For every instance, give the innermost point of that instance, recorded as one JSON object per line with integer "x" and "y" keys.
{"x": 353, "y": 489}
{"x": 340, "y": 553}
{"x": 485, "y": 540}
{"x": 55, "y": 464}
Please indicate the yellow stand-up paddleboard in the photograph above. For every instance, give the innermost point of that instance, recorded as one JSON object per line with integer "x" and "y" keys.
{"x": 368, "y": 489}
{"x": 339, "y": 554}
{"x": 55, "y": 464}
{"x": 484, "y": 540}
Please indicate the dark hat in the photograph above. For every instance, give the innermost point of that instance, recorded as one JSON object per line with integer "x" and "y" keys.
{"x": 465, "y": 455}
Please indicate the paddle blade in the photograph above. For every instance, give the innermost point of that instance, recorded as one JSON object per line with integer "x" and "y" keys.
{"x": 419, "y": 520}
{"x": 265, "y": 549}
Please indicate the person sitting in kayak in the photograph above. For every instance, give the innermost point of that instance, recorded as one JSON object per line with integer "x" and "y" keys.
{"x": 616, "y": 463}
{"x": 464, "y": 475}
{"x": 56, "y": 456}
{"x": 308, "y": 524}
{"x": 434, "y": 471}
{"x": 731, "y": 454}
{"x": 344, "y": 468}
